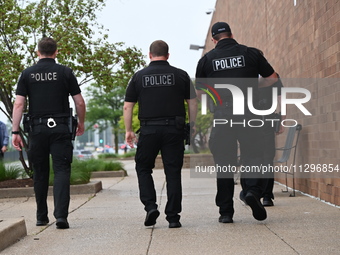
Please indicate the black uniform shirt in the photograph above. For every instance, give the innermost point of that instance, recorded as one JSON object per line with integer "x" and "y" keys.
{"x": 238, "y": 65}
{"x": 230, "y": 59}
{"x": 160, "y": 90}
{"x": 48, "y": 86}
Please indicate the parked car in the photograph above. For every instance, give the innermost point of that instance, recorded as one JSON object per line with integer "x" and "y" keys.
{"x": 122, "y": 146}
{"x": 82, "y": 154}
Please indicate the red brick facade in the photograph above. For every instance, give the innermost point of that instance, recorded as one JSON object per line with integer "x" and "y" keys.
{"x": 300, "y": 40}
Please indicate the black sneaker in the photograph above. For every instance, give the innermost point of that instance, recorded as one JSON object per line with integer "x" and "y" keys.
{"x": 267, "y": 201}
{"x": 259, "y": 212}
{"x": 175, "y": 225}
{"x": 225, "y": 219}
{"x": 62, "y": 223}
{"x": 42, "y": 222}
{"x": 151, "y": 217}
{"x": 242, "y": 197}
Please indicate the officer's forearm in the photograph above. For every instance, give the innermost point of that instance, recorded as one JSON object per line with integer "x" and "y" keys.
{"x": 128, "y": 112}
{"x": 268, "y": 81}
{"x": 80, "y": 107}
{"x": 192, "y": 109}
{"x": 18, "y": 108}
{"x": 128, "y": 124}
{"x": 81, "y": 113}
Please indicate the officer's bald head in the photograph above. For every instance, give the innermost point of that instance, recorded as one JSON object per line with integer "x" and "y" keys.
{"x": 159, "y": 48}
{"x": 47, "y": 47}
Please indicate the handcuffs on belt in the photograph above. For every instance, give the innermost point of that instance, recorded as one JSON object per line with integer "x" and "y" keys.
{"x": 51, "y": 123}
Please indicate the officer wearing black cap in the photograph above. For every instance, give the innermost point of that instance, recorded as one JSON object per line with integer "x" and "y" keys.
{"x": 160, "y": 90}
{"x": 48, "y": 86}
{"x": 232, "y": 60}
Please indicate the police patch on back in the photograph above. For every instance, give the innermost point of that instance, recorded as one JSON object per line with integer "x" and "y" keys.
{"x": 228, "y": 63}
{"x": 50, "y": 76}
{"x": 158, "y": 80}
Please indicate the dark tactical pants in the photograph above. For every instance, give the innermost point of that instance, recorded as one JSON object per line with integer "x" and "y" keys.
{"x": 43, "y": 142}
{"x": 169, "y": 141}
{"x": 223, "y": 144}
{"x": 268, "y": 158}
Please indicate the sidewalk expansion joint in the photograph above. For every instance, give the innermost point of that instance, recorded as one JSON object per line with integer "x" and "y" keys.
{"x": 153, "y": 228}
{"x": 284, "y": 241}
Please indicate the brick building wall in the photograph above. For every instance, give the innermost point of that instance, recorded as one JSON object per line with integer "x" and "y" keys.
{"x": 301, "y": 39}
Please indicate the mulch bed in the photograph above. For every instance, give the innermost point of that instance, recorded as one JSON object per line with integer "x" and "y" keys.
{"x": 16, "y": 183}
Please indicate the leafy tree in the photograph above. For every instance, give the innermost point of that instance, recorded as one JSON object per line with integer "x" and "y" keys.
{"x": 82, "y": 44}
{"x": 106, "y": 100}
{"x": 203, "y": 125}
{"x": 105, "y": 106}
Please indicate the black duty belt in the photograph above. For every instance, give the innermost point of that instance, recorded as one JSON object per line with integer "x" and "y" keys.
{"x": 51, "y": 122}
{"x": 165, "y": 122}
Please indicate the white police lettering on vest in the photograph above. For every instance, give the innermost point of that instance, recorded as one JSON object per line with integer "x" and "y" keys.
{"x": 45, "y": 76}
{"x": 156, "y": 80}
{"x": 228, "y": 63}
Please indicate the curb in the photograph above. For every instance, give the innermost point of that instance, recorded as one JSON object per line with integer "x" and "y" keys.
{"x": 11, "y": 230}
{"x": 104, "y": 174}
{"x": 89, "y": 188}
{"x": 189, "y": 160}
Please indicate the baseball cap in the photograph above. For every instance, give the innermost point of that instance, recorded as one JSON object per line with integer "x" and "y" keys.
{"x": 220, "y": 27}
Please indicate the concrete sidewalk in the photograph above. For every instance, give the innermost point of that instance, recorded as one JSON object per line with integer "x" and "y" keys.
{"x": 111, "y": 222}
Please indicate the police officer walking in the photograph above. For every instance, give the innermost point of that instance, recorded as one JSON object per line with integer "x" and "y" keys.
{"x": 232, "y": 61}
{"x": 160, "y": 90}
{"x": 47, "y": 85}
{"x": 269, "y": 132}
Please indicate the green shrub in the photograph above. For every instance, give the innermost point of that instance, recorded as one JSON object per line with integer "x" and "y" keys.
{"x": 129, "y": 154}
{"x": 9, "y": 172}
{"x": 101, "y": 165}
{"x": 81, "y": 169}
{"x": 107, "y": 155}
{"x": 91, "y": 164}
{"x": 80, "y": 177}
{"x": 113, "y": 166}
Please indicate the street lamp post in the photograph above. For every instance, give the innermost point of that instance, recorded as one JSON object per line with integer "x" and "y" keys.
{"x": 196, "y": 47}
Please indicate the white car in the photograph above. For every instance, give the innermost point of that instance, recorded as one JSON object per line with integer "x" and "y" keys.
{"x": 82, "y": 154}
